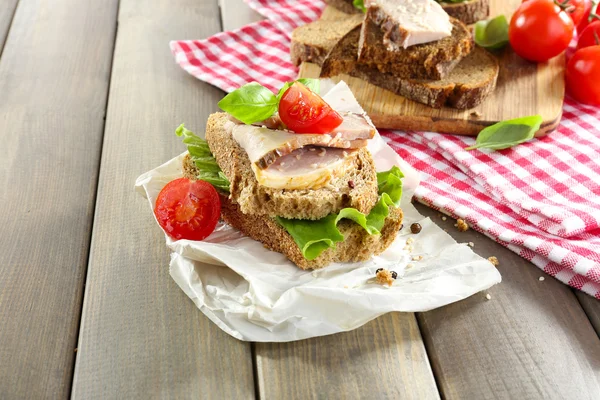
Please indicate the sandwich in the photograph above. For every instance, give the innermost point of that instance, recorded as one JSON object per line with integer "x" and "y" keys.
{"x": 295, "y": 173}
{"x": 466, "y": 11}
{"x": 413, "y": 49}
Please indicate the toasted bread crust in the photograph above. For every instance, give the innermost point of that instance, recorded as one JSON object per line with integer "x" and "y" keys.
{"x": 357, "y": 246}
{"x": 466, "y": 86}
{"x": 468, "y": 12}
{"x": 424, "y": 61}
{"x": 299, "y": 204}
{"x": 312, "y": 42}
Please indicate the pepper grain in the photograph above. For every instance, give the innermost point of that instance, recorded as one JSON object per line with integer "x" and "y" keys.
{"x": 415, "y": 228}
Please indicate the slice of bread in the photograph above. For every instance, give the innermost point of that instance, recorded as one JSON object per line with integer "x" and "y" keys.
{"x": 256, "y": 199}
{"x": 433, "y": 60}
{"x": 469, "y": 83}
{"x": 312, "y": 42}
{"x": 346, "y": 6}
{"x": 469, "y": 11}
{"x": 357, "y": 246}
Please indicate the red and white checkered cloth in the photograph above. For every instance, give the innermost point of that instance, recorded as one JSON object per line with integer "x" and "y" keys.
{"x": 541, "y": 199}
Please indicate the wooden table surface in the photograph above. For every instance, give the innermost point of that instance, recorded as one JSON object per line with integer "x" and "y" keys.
{"x": 89, "y": 98}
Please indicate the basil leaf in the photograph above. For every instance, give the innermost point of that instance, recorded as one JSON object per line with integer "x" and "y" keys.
{"x": 251, "y": 103}
{"x": 493, "y": 33}
{"x": 208, "y": 169}
{"x": 359, "y": 4}
{"x": 507, "y": 134}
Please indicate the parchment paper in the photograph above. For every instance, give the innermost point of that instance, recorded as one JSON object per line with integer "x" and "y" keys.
{"x": 258, "y": 295}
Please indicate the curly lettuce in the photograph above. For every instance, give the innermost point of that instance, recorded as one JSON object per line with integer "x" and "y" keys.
{"x": 208, "y": 169}
{"x": 314, "y": 237}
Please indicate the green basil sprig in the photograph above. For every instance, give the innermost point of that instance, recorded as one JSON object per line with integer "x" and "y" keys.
{"x": 507, "y": 134}
{"x": 492, "y": 33}
{"x": 359, "y": 4}
{"x": 253, "y": 102}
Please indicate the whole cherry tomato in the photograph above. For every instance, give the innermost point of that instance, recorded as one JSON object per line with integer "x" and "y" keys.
{"x": 306, "y": 112}
{"x": 582, "y": 75}
{"x": 590, "y": 15}
{"x": 188, "y": 209}
{"x": 539, "y": 30}
{"x": 590, "y": 36}
{"x": 575, "y": 8}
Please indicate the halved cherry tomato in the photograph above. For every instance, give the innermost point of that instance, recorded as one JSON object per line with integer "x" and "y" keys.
{"x": 582, "y": 75}
{"x": 188, "y": 209}
{"x": 575, "y": 8}
{"x": 590, "y": 36}
{"x": 306, "y": 112}
{"x": 539, "y": 30}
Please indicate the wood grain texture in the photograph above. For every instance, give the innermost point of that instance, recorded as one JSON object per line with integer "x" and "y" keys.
{"x": 531, "y": 340}
{"x": 7, "y": 11}
{"x": 53, "y": 87}
{"x": 591, "y": 306}
{"x": 384, "y": 359}
{"x": 522, "y": 89}
{"x": 238, "y": 14}
{"x": 141, "y": 337}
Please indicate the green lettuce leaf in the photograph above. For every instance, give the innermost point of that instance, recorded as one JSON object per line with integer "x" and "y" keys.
{"x": 314, "y": 237}
{"x": 200, "y": 154}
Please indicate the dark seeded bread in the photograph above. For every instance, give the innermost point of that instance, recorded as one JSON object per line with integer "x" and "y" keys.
{"x": 299, "y": 204}
{"x": 473, "y": 79}
{"x": 357, "y": 246}
{"x": 433, "y": 60}
{"x": 469, "y": 11}
{"x": 312, "y": 42}
{"x": 344, "y": 5}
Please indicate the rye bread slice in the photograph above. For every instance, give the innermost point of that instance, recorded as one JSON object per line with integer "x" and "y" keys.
{"x": 469, "y": 11}
{"x": 312, "y": 42}
{"x": 473, "y": 79}
{"x": 346, "y": 6}
{"x": 433, "y": 60}
{"x": 357, "y": 246}
{"x": 256, "y": 199}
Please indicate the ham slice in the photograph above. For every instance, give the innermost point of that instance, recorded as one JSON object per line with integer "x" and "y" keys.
{"x": 264, "y": 146}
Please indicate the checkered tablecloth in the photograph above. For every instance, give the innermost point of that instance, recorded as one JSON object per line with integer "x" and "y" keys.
{"x": 540, "y": 199}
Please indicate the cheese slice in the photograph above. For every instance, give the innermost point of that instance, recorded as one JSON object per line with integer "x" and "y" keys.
{"x": 418, "y": 21}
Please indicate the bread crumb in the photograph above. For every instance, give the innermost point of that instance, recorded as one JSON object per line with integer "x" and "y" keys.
{"x": 384, "y": 277}
{"x": 542, "y": 278}
{"x": 488, "y": 296}
{"x": 314, "y": 274}
{"x": 462, "y": 225}
{"x": 444, "y": 218}
{"x": 471, "y": 244}
{"x": 476, "y": 114}
{"x": 409, "y": 240}
{"x": 409, "y": 266}
{"x": 494, "y": 261}
{"x": 75, "y": 349}
{"x": 417, "y": 258}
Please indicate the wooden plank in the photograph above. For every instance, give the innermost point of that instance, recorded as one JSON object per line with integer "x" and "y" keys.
{"x": 522, "y": 89}
{"x": 141, "y": 337}
{"x": 7, "y": 11}
{"x": 53, "y": 85}
{"x": 384, "y": 359}
{"x": 591, "y": 306}
{"x": 530, "y": 340}
{"x": 237, "y": 14}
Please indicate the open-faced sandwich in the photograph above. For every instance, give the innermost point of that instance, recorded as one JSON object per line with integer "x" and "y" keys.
{"x": 419, "y": 49}
{"x": 287, "y": 170}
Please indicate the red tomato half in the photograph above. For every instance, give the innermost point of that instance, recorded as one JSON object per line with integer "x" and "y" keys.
{"x": 582, "y": 75}
{"x": 590, "y": 36}
{"x": 539, "y": 30}
{"x": 306, "y": 112}
{"x": 188, "y": 209}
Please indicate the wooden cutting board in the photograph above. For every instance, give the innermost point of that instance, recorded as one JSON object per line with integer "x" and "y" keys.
{"x": 523, "y": 89}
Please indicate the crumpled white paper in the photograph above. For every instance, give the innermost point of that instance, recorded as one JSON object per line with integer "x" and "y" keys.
{"x": 258, "y": 295}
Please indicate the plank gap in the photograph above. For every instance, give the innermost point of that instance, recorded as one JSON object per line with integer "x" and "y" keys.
{"x": 6, "y": 19}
